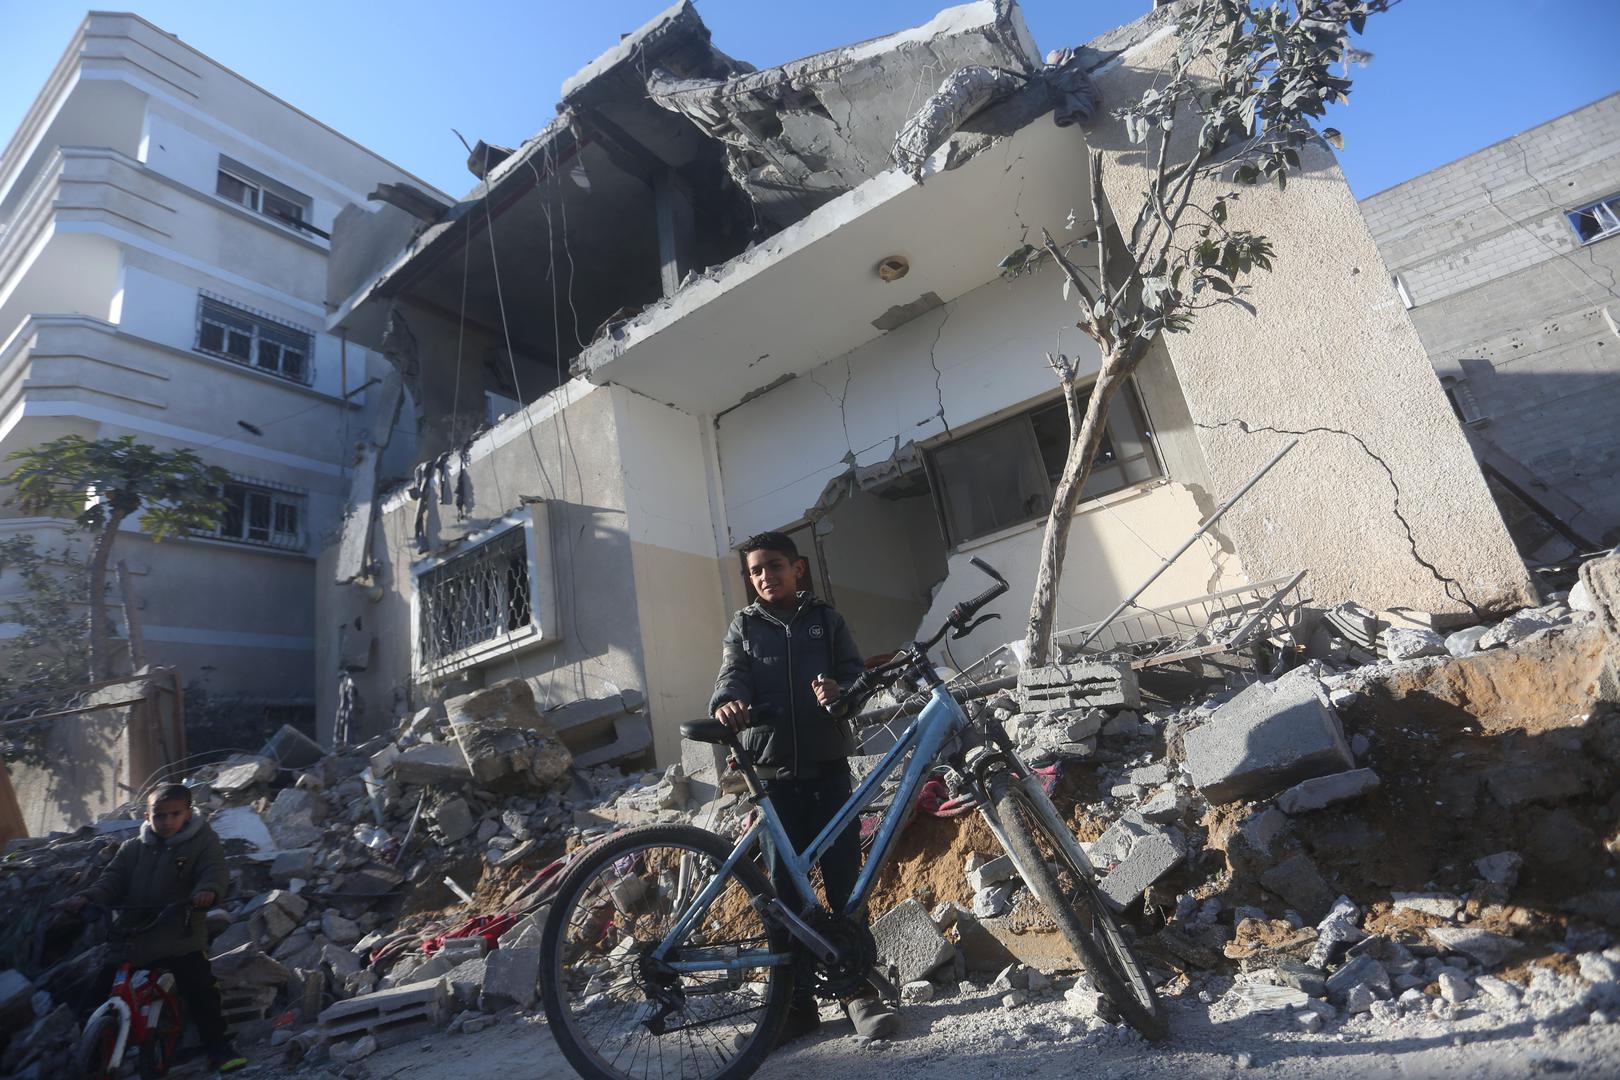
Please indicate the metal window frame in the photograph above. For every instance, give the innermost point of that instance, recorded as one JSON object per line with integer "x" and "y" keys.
{"x": 261, "y": 323}
{"x": 545, "y": 622}
{"x": 1605, "y": 211}
{"x": 937, "y": 476}
{"x": 279, "y": 494}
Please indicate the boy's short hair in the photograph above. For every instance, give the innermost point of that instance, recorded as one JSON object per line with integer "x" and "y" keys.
{"x": 168, "y": 793}
{"x": 769, "y": 541}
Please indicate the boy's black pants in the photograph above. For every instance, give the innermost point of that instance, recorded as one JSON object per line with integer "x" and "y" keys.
{"x": 805, "y": 805}
{"x": 195, "y": 986}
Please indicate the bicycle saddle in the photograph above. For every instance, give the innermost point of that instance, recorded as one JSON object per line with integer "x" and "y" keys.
{"x": 709, "y": 731}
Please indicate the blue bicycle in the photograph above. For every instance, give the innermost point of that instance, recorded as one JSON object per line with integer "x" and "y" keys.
{"x": 667, "y": 953}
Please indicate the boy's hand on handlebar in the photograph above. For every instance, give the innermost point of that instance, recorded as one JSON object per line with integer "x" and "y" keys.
{"x": 204, "y": 899}
{"x": 734, "y": 714}
{"x": 75, "y": 904}
{"x": 827, "y": 690}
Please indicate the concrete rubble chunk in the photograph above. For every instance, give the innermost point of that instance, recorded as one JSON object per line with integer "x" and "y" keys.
{"x": 1300, "y": 885}
{"x": 917, "y": 990}
{"x": 1440, "y": 905}
{"x": 907, "y": 938}
{"x": 1169, "y": 803}
{"x": 390, "y": 1016}
{"x": 431, "y": 764}
{"x": 1152, "y": 855}
{"x": 292, "y": 749}
{"x": 1454, "y": 988}
{"x": 1078, "y": 686}
{"x": 1482, "y": 946}
{"x": 338, "y": 929}
{"x": 297, "y": 863}
{"x": 1267, "y": 738}
{"x": 1362, "y": 971}
{"x": 983, "y": 873}
{"x": 1323, "y": 791}
{"x": 454, "y": 819}
{"x": 1255, "y": 998}
{"x": 994, "y": 900}
{"x": 1501, "y": 869}
{"x": 505, "y": 739}
{"x": 1402, "y": 643}
{"x": 243, "y": 772}
{"x": 1501, "y": 992}
{"x": 512, "y": 975}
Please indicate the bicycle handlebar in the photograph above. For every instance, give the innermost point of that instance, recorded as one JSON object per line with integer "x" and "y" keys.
{"x": 961, "y": 619}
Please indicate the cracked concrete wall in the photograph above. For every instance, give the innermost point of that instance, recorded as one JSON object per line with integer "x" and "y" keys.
{"x": 1382, "y": 501}
{"x": 976, "y": 360}
{"x": 1508, "y": 299}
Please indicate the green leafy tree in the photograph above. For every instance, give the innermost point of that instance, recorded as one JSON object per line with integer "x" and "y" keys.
{"x": 99, "y": 484}
{"x": 51, "y": 648}
{"x": 1239, "y": 102}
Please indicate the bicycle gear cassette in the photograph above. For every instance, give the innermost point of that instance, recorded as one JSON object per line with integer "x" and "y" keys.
{"x": 857, "y": 953}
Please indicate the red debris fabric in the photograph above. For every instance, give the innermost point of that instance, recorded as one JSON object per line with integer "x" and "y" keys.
{"x": 488, "y": 927}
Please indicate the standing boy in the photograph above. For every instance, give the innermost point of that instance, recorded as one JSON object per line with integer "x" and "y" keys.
{"x": 790, "y": 653}
{"x": 176, "y": 859}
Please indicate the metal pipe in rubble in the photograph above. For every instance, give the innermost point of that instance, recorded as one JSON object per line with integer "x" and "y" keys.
{"x": 1191, "y": 540}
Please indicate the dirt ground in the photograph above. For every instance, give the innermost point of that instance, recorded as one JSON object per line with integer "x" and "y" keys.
{"x": 971, "y": 1037}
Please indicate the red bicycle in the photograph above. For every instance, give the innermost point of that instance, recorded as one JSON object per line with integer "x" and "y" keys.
{"x": 141, "y": 1013}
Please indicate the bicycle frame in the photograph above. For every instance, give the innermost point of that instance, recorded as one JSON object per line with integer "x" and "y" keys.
{"x": 923, "y": 738}
{"x": 137, "y": 999}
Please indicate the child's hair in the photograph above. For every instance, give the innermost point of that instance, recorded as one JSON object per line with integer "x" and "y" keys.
{"x": 169, "y": 792}
{"x": 769, "y": 541}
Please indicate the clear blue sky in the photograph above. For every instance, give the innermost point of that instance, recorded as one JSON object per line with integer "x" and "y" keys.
{"x": 1449, "y": 76}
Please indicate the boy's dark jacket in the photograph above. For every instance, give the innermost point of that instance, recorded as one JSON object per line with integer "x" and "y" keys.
{"x": 150, "y": 872}
{"x": 765, "y": 662}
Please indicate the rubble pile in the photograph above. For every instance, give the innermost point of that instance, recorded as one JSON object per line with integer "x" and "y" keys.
{"x": 377, "y": 891}
{"x": 1407, "y": 824}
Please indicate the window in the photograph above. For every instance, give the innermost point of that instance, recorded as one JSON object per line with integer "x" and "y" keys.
{"x": 262, "y": 513}
{"x": 1005, "y": 475}
{"x": 254, "y": 340}
{"x": 476, "y": 597}
{"x": 254, "y": 191}
{"x": 1596, "y": 221}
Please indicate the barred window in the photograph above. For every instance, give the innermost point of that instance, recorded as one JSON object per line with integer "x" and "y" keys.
{"x": 263, "y": 514}
{"x": 477, "y": 597}
{"x": 254, "y": 340}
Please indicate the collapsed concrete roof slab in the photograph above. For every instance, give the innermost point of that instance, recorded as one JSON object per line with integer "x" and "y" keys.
{"x": 812, "y": 292}
{"x": 806, "y": 132}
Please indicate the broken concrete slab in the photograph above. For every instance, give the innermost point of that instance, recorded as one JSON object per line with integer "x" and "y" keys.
{"x": 1466, "y": 641}
{"x": 431, "y": 764}
{"x": 292, "y": 749}
{"x": 1300, "y": 884}
{"x": 504, "y": 738}
{"x": 1362, "y": 971}
{"x": 1411, "y": 644}
{"x": 1078, "y": 686}
{"x": 512, "y": 975}
{"x": 983, "y": 872}
{"x": 1439, "y": 905}
{"x": 1267, "y": 738}
{"x": 454, "y": 819}
{"x": 1152, "y": 854}
{"x": 1323, "y": 791}
{"x": 907, "y": 938}
{"x": 390, "y": 1016}
{"x": 243, "y": 771}
{"x": 1482, "y": 946}
{"x": 1501, "y": 869}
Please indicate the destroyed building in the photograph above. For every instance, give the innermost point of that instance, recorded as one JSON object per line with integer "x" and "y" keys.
{"x": 706, "y": 301}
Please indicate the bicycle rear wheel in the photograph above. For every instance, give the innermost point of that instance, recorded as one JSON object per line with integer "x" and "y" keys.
{"x": 1067, "y": 891}
{"x": 617, "y": 1015}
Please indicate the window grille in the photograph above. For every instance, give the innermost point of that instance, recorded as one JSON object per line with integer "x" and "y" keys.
{"x": 474, "y": 598}
{"x": 1596, "y": 221}
{"x": 254, "y": 340}
{"x": 1006, "y": 474}
{"x": 261, "y": 514}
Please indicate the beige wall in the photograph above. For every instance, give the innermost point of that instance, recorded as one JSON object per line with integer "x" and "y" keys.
{"x": 1331, "y": 353}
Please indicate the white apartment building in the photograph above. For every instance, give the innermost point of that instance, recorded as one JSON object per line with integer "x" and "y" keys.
{"x": 163, "y": 247}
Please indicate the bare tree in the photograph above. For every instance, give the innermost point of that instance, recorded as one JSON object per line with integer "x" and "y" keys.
{"x": 1237, "y": 104}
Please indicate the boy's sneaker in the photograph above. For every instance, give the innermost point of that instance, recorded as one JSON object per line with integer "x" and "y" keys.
{"x": 871, "y": 1017}
{"x": 226, "y": 1060}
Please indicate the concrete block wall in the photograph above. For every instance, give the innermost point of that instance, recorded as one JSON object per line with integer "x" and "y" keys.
{"x": 1508, "y": 299}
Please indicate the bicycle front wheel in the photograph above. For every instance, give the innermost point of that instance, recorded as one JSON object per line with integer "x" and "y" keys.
{"x": 619, "y": 1015}
{"x": 1067, "y": 891}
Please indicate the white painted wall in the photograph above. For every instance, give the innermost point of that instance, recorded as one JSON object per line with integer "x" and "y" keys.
{"x": 778, "y": 452}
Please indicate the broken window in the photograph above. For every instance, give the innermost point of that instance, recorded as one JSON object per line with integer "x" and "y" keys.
{"x": 1596, "y": 221}
{"x": 1006, "y": 474}
{"x": 263, "y": 513}
{"x": 254, "y": 340}
{"x": 476, "y": 597}
{"x": 254, "y": 191}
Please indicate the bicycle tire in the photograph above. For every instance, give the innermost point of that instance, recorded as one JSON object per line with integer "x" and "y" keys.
{"x": 1088, "y": 925}
{"x": 155, "y": 1055}
{"x": 566, "y": 933}
{"x": 92, "y": 1053}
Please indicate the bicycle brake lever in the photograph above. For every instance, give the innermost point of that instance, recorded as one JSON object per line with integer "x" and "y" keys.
{"x": 964, "y": 631}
